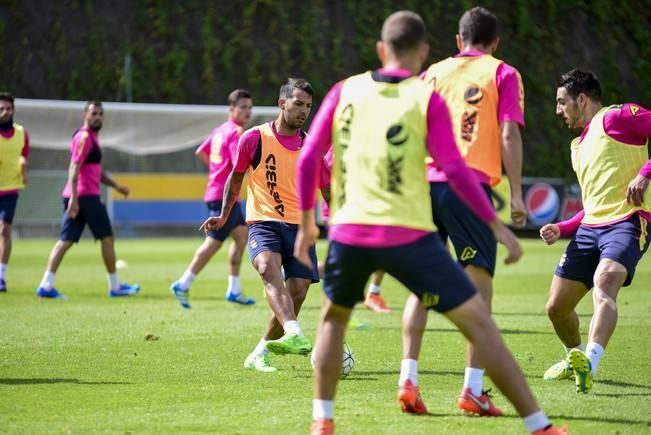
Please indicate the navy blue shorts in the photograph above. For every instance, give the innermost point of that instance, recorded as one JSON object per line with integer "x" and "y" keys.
{"x": 425, "y": 267}
{"x": 280, "y": 237}
{"x": 473, "y": 240}
{"x": 235, "y": 219}
{"x": 8, "y": 207}
{"x": 91, "y": 212}
{"x": 624, "y": 242}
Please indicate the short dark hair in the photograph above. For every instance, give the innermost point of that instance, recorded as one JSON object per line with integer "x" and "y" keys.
{"x": 478, "y": 26}
{"x": 288, "y": 87}
{"x": 6, "y": 96}
{"x": 237, "y": 95}
{"x": 578, "y": 82}
{"x": 403, "y": 31}
{"x": 92, "y": 103}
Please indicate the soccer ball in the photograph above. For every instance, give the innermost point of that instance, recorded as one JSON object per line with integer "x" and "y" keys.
{"x": 347, "y": 363}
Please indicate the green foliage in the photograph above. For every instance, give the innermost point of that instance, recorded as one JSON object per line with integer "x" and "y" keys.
{"x": 197, "y": 52}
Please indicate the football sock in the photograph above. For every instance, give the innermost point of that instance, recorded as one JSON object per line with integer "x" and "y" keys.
{"x": 234, "y": 285}
{"x": 474, "y": 379}
{"x": 594, "y": 351}
{"x": 186, "y": 279}
{"x": 536, "y": 421}
{"x": 293, "y": 327}
{"x": 408, "y": 370}
{"x": 375, "y": 289}
{"x": 261, "y": 347}
{"x": 114, "y": 281}
{"x": 3, "y": 270}
{"x": 48, "y": 280}
{"x": 323, "y": 409}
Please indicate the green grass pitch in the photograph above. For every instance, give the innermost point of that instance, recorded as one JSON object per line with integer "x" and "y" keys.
{"x": 86, "y": 365}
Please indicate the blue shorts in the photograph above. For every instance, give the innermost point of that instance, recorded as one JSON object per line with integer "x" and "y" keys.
{"x": 91, "y": 212}
{"x": 8, "y": 207}
{"x": 425, "y": 267}
{"x": 624, "y": 242}
{"x": 235, "y": 219}
{"x": 473, "y": 240}
{"x": 280, "y": 237}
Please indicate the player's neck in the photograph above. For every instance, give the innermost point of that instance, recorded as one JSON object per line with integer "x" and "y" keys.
{"x": 590, "y": 111}
{"x": 282, "y": 128}
{"x": 406, "y": 63}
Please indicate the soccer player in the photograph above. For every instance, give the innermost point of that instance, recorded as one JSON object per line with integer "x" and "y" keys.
{"x": 379, "y": 221}
{"x": 268, "y": 153}
{"x": 486, "y": 101}
{"x": 14, "y": 143}
{"x": 82, "y": 205}
{"x": 610, "y": 235}
{"x": 218, "y": 154}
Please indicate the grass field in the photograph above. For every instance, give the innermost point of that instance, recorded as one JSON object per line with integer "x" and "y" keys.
{"x": 86, "y": 365}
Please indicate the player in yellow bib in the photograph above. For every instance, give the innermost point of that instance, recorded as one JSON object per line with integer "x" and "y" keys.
{"x": 14, "y": 150}
{"x": 609, "y": 236}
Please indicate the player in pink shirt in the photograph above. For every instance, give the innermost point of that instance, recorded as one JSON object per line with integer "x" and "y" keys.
{"x": 82, "y": 205}
{"x": 14, "y": 150}
{"x": 218, "y": 153}
{"x": 377, "y": 168}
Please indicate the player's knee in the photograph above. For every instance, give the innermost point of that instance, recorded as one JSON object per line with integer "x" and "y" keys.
{"x": 607, "y": 280}
{"x": 5, "y": 229}
{"x": 556, "y": 310}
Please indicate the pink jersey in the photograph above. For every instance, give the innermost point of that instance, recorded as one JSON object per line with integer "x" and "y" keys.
{"x": 440, "y": 144}
{"x": 220, "y": 147}
{"x": 86, "y": 152}
{"x": 8, "y": 134}
{"x": 630, "y": 124}
{"x": 509, "y": 91}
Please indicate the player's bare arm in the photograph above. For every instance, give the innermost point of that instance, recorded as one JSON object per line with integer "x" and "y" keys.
{"x": 73, "y": 178}
{"x": 512, "y": 160}
{"x": 23, "y": 169}
{"x": 205, "y": 159}
{"x": 232, "y": 189}
{"x": 110, "y": 182}
{"x": 306, "y": 236}
{"x": 636, "y": 190}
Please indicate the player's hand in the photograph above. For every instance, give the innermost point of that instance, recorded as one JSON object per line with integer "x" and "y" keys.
{"x": 25, "y": 176}
{"x": 636, "y": 189}
{"x": 518, "y": 211}
{"x": 73, "y": 208}
{"x": 550, "y": 233}
{"x": 212, "y": 224}
{"x": 305, "y": 238}
{"x": 506, "y": 237}
{"x": 124, "y": 190}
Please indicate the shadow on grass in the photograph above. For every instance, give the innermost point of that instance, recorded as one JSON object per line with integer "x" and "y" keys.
{"x": 621, "y": 384}
{"x": 45, "y": 381}
{"x": 600, "y": 419}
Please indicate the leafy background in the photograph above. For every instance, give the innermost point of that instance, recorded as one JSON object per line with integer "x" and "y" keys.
{"x": 197, "y": 51}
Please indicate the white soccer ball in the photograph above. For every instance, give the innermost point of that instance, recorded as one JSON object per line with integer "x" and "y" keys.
{"x": 347, "y": 363}
{"x": 121, "y": 264}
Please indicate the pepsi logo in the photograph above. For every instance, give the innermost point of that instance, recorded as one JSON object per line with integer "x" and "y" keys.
{"x": 542, "y": 203}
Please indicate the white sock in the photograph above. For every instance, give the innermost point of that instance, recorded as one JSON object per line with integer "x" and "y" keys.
{"x": 261, "y": 347}
{"x": 536, "y": 421}
{"x": 186, "y": 279}
{"x": 474, "y": 379}
{"x": 581, "y": 347}
{"x": 323, "y": 409}
{"x": 234, "y": 285}
{"x": 48, "y": 280}
{"x": 293, "y": 327}
{"x": 408, "y": 370}
{"x": 3, "y": 270}
{"x": 114, "y": 281}
{"x": 594, "y": 351}
{"x": 375, "y": 289}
